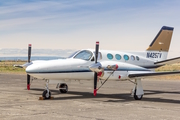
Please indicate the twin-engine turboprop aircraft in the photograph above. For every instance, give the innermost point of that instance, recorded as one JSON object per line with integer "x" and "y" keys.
{"x": 89, "y": 64}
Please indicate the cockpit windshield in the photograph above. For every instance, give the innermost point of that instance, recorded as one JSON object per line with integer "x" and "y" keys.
{"x": 73, "y": 54}
{"x": 84, "y": 55}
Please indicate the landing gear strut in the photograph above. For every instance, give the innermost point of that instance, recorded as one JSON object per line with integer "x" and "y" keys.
{"x": 47, "y": 93}
{"x": 63, "y": 88}
{"x": 138, "y": 90}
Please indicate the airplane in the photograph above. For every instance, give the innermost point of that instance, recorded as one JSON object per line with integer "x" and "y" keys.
{"x": 95, "y": 64}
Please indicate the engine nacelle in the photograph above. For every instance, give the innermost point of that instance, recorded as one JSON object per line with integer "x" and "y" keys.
{"x": 96, "y": 67}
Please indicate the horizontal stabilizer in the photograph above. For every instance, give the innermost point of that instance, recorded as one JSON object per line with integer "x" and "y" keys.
{"x": 168, "y": 61}
{"x": 152, "y": 74}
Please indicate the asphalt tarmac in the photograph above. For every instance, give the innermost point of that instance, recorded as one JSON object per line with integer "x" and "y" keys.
{"x": 113, "y": 101}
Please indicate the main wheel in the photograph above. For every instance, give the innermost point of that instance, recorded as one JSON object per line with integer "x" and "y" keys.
{"x": 63, "y": 88}
{"x": 46, "y": 95}
{"x": 137, "y": 97}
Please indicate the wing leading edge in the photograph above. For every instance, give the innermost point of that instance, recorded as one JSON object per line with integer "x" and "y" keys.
{"x": 152, "y": 74}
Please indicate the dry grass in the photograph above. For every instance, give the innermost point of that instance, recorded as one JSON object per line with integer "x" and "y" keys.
{"x": 173, "y": 67}
{"x": 7, "y": 67}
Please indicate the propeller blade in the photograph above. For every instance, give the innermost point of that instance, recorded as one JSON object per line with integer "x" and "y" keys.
{"x": 95, "y": 74}
{"x": 28, "y": 82}
{"x": 96, "y": 51}
{"x": 29, "y": 53}
{"x": 95, "y": 83}
{"x": 29, "y": 59}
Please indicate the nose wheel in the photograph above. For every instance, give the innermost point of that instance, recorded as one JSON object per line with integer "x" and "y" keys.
{"x": 63, "y": 88}
{"x": 47, "y": 93}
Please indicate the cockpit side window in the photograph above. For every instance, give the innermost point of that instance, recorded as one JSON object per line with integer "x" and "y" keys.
{"x": 73, "y": 54}
{"x": 84, "y": 55}
{"x": 92, "y": 59}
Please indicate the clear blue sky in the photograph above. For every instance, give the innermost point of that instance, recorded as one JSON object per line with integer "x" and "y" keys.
{"x": 77, "y": 24}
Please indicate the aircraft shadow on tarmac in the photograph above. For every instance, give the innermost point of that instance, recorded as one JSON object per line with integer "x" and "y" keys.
{"x": 122, "y": 97}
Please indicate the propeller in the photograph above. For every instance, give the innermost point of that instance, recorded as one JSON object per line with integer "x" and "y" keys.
{"x": 95, "y": 73}
{"x": 29, "y": 58}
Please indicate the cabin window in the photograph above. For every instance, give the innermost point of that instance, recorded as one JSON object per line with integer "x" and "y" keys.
{"x": 132, "y": 58}
{"x": 137, "y": 58}
{"x": 118, "y": 57}
{"x": 109, "y": 56}
{"x": 126, "y": 57}
{"x": 99, "y": 55}
{"x": 84, "y": 55}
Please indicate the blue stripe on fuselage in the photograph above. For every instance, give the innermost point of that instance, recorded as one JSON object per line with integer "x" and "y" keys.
{"x": 77, "y": 71}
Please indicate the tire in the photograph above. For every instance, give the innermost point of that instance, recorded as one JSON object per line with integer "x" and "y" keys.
{"x": 137, "y": 97}
{"x": 46, "y": 95}
{"x": 63, "y": 90}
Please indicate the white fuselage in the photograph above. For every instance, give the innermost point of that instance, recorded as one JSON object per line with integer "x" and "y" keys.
{"x": 76, "y": 67}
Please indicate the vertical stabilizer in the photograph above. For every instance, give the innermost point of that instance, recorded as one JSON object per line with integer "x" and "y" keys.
{"x": 162, "y": 40}
{"x": 158, "y": 49}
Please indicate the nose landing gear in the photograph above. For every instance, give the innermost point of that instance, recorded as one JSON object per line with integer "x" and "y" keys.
{"x": 47, "y": 93}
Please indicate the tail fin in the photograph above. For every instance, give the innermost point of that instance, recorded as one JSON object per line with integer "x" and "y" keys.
{"x": 162, "y": 40}
{"x": 158, "y": 49}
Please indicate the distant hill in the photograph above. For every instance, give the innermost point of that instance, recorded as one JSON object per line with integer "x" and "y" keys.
{"x": 32, "y": 58}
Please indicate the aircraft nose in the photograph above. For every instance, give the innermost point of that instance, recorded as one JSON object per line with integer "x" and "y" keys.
{"x": 31, "y": 69}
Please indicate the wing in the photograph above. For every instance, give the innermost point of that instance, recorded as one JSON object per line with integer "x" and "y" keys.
{"x": 168, "y": 61}
{"x": 152, "y": 74}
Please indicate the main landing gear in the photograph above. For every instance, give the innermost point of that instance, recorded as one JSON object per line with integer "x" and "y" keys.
{"x": 138, "y": 92}
{"x": 63, "y": 87}
{"x": 47, "y": 93}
